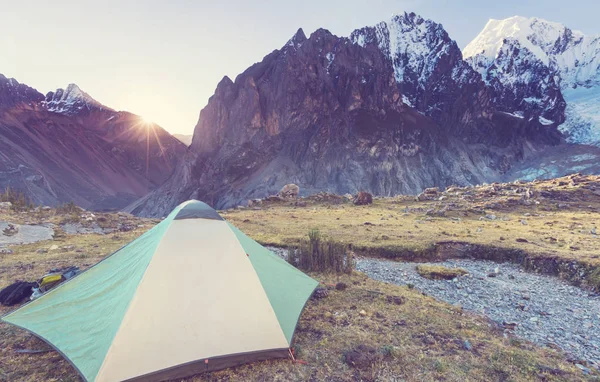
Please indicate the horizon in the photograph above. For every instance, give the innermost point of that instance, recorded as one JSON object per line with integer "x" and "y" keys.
{"x": 163, "y": 62}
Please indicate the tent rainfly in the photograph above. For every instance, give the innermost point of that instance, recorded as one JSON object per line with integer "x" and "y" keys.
{"x": 192, "y": 294}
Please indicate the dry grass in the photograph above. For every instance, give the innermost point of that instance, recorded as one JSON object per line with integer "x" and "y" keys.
{"x": 558, "y": 225}
{"x": 416, "y": 337}
{"x": 438, "y": 272}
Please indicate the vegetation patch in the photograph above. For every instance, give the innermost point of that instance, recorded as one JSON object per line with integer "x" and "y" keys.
{"x": 438, "y": 272}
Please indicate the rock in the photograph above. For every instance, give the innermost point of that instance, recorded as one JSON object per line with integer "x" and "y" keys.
{"x": 53, "y": 247}
{"x": 510, "y": 325}
{"x": 68, "y": 248}
{"x": 320, "y": 293}
{"x": 520, "y": 240}
{"x": 289, "y": 191}
{"x": 327, "y": 315}
{"x": 272, "y": 198}
{"x": 583, "y": 368}
{"x": 5, "y": 205}
{"x": 526, "y": 296}
{"x": 396, "y": 300}
{"x": 42, "y": 250}
{"x": 11, "y": 230}
{"x": 362, "y": 357}
{"x": 491, "y": 217}
{"x": 300, "y": 203}
{"x": 5, "y": 251}
{"x": 593, "y": 231}
{"x": 468, "y": 345}
{"x": 362, "y": 313}
{"x": 492, "y": 274}
{"x": 363, "y": 198}
{"x": 126, "y": 228}
{"x": 341, "y": 286}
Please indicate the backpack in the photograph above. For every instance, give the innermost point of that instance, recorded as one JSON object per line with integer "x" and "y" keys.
{"x": 16, "y": 293}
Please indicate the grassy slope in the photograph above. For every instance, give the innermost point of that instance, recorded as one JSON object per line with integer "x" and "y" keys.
{"x": 423, "y": 339}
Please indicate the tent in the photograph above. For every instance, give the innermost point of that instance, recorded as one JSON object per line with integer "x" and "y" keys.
{"x": 192, "y": 294}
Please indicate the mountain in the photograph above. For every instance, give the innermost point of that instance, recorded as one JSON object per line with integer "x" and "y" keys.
{"x": 390, "y": 109}
{"x": 186, "y": 139}
{"x": 536, "y": 66}
{"x": 66, "y": 146}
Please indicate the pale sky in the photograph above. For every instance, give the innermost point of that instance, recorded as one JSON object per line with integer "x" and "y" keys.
{"x": 162, "y": 59}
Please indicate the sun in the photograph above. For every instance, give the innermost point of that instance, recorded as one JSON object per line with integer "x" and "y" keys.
{"x": 146, "y": 121}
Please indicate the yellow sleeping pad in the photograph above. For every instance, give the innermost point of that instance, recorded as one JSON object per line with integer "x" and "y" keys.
{"x": 49, "y": 281}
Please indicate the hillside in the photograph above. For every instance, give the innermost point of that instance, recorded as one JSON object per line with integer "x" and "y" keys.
{"x": 66, "y": 146}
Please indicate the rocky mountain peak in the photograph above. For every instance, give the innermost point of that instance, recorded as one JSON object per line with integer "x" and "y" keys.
{"x": 13, "y": 93}
{"x": 545, "y": 69}
{"x": 71, "y": 101}
{"x": 297, "y": 39}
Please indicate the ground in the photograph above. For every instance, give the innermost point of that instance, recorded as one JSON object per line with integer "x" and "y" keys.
{"x": 551, "y": 225}
{"x": 368, "y": 330}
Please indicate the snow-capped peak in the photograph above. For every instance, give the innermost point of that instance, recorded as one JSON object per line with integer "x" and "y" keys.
{"x": 71, "y": 101}
{"x": 408, "y": 40}
{"x": 575, "y": 55}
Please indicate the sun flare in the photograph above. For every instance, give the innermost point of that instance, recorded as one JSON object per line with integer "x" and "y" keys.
{"x": 146, "y": 121}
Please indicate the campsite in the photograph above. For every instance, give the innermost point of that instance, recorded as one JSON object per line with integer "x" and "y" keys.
{"x": 353, "y": 327}
{"x": 336, "y": 191}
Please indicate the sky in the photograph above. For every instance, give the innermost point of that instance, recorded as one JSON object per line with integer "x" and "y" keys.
{"x": 163, "y": 59}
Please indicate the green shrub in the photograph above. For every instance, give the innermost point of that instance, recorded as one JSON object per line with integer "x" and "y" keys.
{"x": 18, "y": 199}
{"x": 318, "y": 254}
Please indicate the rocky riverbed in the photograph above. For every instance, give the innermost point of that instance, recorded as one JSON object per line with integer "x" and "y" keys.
{"x": 25, "y": 234}
{"x": 542, "y": 309}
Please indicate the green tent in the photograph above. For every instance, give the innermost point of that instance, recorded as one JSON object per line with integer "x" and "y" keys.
{"x": 192, "y": 294}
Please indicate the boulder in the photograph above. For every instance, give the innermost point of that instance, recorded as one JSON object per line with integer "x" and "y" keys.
{"x": 362, "y": 357}
{"x": 5, "y": 205}
{"x": 363, "y": 198}
{"x": 289, "y": 191}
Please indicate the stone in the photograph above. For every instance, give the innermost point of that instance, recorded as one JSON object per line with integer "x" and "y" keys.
{"x": 320, "y": 293}
{"x": 363, "y": 198}
{"x": 42, "y": 250}
{"x": 126, "y": 228}
{"x": 491, "y": 217}
{"x": 53, "y": 247}
{"x": 5, "y": 205}
{"x": 6, "y": 251}
{"x": 362, "y": 313}
{"x": 362, "y": 357}
{"x": 289, "y": 191}
{"x": 467, "y": 345}
{"x": 510, "y": 325}
{"x": 524, "y": 222}
{"x": 341, "y": 286}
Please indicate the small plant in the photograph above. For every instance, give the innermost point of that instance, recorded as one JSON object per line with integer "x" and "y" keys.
{"x": 389, "y": 351}
{"x": 322, "y": 255}
{"x": 18, "y": 199}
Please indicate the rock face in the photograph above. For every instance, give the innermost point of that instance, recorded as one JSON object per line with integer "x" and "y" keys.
{"x": 392, "y": 109}
{"x": 68, "y": 147}
{"x": 541, "y": 69}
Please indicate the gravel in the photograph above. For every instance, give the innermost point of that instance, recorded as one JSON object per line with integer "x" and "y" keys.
{"x": 541, "y": 309}
{"x": 27, "y": 234}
